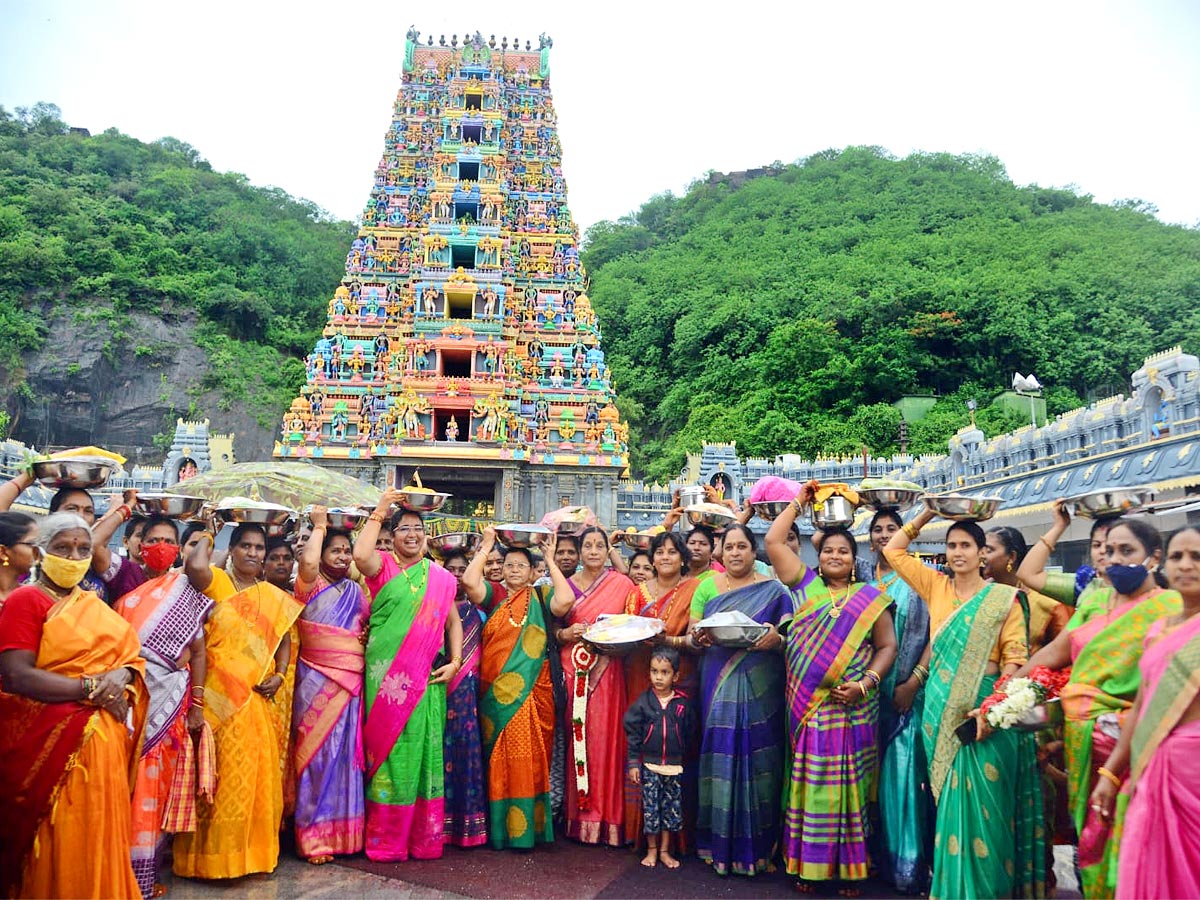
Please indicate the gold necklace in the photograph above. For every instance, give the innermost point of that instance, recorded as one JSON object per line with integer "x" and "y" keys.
{"x": 835, "y": 608}
{"x": 407, "y": 580}
{"x": 729, "y": 586}
{"x": 508, "y": 610}
{"x": 238, "y": 585}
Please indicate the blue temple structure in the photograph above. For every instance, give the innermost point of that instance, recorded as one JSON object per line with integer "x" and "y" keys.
{"x": 1150, "y": 437}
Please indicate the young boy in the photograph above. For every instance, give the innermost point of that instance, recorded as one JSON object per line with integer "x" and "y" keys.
{"x": 658, "y": 726}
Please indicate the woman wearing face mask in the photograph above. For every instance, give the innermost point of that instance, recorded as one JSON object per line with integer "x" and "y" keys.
{"x": 327, "y": 706}
{"x": 1156, "y": 763}
{"x": 71, "y": 718}
{"x": 518, "y": 669}
{"x": 666, "y": 596}
{"x": 18, "y": 538}
{"x": 466, "y": 803}
{"x": 741, "y": 704}
{"x": 840, "y": 645}
{"x": 1103, "y": 644}
{"x": 989, "y": 822}
{"x": 904, "y": 809}
{"x": 595, "y": 772}
{"x": 168, "y": 613}
{"x": 247, "y": 653}
{"x": 1072, "y": 589}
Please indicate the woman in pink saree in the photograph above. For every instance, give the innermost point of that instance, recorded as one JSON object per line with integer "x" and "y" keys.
{"x": 595, "y": 776}
{"x": 327, "y": 714}
{"x": 1156, "y": 762}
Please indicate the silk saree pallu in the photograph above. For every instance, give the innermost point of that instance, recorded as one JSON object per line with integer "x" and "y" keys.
{"x": 67, "y": 769}
{"x": 168, "y": 614}
{"x": 516, "y": 721}
{"x": 674, "y": 608}
{"x": 1160, "y": 806}
{"x": 326, "y": 721}
{"x": 989, "y": 832}
{"x": 904, "y": 812}
{"x": 405, "y": 713}
{"x": 466, "y": 800}
{"x": 238, "y": 832}
{"x": 743, "y": 744}
{"x": 833, "y": 747}
{"x": 595, "y": 738}
{"x": 1105, "y": 649}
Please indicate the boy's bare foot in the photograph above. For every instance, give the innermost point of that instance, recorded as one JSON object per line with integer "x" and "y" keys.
{"x": 668, "y": 860}
{"x": 650, "y": 860}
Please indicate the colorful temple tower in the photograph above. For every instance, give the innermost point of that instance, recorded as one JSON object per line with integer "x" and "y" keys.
{"x": 461, "y": 339}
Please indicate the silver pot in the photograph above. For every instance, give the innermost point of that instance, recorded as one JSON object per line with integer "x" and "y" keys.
{"x": 691, "y": 496}
{"x": 836, "y": 512}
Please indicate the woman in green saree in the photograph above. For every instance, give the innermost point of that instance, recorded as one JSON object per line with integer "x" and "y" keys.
{"x": 988, "y": 839}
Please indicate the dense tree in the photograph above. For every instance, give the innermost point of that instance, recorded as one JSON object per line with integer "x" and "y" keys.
{"x": 787, "y": 311}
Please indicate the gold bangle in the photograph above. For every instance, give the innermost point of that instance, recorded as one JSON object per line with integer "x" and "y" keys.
{"x": 874, "y": 676}
{"x": 1049, "y": 546}
{"x": 911, "y": 530}
{"x": 863, "y": 689}
{"x": 375, "y": 517}
{"x": 1107, "y": 773}
{"x": 457, "y": 660}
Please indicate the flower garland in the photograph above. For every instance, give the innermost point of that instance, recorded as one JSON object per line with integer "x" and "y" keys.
{"x": 1014, "y": 698}
{"x": 583, "y": 659}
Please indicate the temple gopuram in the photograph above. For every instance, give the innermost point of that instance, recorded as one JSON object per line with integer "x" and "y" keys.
{"x": 461, "y": 339}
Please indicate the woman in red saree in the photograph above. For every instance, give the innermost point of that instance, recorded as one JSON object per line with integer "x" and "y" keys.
{"x": 70, "y": 727}
{"x": 666, "y": 596}
{"x": 595, "y": 776}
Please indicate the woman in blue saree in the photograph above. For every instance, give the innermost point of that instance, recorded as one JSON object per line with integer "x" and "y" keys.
{"x": 742, "y": 748}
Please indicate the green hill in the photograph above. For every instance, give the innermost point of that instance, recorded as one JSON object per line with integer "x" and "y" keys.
{"x": 145, "y": 252}
{"x": 786, "y": 311}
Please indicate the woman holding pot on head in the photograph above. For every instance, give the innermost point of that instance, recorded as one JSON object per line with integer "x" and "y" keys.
{"x": 1156, "y": 763}
{"x": 71, "y": 719}
{"x": 516, "y": 699}
{"x": 596, "y": 758}
{"x": 328, "y": 696}
{"x": 1103, "y": 645}
{"x": 413, "y": 624}
{"x": 741, "y": 703}
{"x": 840, "y": 645}
{"x": 904, "y": 810}
{"x": 1072, "y": 589}
{"x": 247, "y": 651}
{"x": 667, "y": 595}
{"x": 987, "y": 789}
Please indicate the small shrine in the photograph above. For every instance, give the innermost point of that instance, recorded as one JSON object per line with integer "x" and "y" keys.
{"x": 461, "y": 338}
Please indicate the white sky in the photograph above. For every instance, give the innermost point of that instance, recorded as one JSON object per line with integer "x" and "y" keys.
{"x": 650, "y": 95}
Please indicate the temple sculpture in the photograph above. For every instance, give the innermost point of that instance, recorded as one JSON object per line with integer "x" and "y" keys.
{"x": 461, "y": 339}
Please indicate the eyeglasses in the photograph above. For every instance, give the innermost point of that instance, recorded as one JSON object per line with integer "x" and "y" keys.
{"x": 409, "y": 529}
{"x": 19, "y": 543}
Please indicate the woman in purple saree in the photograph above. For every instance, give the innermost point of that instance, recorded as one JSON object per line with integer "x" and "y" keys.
{"x": 327, "y": 710}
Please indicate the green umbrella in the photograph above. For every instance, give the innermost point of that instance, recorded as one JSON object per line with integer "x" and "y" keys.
{"x": 291, "y": 484}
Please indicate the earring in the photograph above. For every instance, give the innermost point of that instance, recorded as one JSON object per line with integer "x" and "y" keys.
{"x": 5, "y": 563}
{"x": 1008, "y": 568}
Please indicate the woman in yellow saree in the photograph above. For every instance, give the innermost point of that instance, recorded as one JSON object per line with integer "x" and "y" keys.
{"x": 247, "y": 653}
{"x": 70, "y": 726}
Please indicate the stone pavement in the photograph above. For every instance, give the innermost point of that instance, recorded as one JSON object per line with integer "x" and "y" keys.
{"x": 563, "y": 870}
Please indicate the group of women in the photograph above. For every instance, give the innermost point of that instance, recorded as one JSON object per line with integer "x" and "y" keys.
{"x": 374, "y": 700}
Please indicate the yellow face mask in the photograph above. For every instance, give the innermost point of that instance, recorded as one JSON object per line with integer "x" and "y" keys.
{"x": 66, "y": 573}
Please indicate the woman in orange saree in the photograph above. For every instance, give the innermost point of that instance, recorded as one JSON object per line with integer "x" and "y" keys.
{"x": 70, "y": 726}
{"x": 666, "y": 596}
{"x": 516, "y": 694}
{"x": 596, "y": 760}
{"x": 247, "y": 653}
